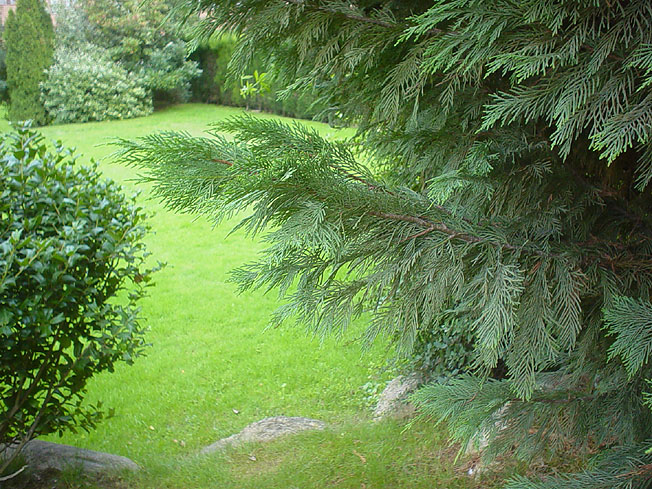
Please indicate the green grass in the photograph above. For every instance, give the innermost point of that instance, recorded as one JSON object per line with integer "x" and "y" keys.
{"x": 211, "y": 355}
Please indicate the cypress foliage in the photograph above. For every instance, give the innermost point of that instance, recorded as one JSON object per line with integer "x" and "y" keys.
{"x": 29, "y": 40}
{"x": 511, "y": 151}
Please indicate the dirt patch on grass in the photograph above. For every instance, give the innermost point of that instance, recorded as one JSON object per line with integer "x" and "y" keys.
{"x": 256, "y": 462}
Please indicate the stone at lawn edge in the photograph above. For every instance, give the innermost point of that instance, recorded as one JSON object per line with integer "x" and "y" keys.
{"x": 392, "y": 399}
{"x": 43, "y": 456}
{"x": 267, "y": 429}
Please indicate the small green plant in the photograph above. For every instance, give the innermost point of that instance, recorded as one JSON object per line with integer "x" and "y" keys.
{"x": 253, "y": 86}
{"x": 72, "y": 271}
{"x": 371, "y": 392}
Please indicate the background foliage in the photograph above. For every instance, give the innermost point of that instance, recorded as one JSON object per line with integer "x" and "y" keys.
{"x": 113, "y": 60}
{"x": 4, "y": 95}
{"x": 145, "y": 42}
{"x": 445, "y": 351}
{"x": 220, "y": 84}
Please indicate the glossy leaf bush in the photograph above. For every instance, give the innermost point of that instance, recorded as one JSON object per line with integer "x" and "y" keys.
{"x": 72, "y": 271}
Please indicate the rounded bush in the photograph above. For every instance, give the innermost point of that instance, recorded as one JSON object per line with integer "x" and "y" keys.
{"x": 72, "y": 270}
{"x": 85, "y": 85}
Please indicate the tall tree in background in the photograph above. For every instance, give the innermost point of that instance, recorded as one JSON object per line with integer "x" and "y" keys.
{"x": 29, "y": 41}
{"x": 4, "y": 96}
{"x": 511, "y": 151}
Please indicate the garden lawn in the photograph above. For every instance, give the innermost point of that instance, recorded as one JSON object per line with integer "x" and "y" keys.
{"x": 213, "y": 368}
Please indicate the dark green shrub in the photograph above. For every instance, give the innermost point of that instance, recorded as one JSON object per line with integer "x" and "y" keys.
{"x": 29, "y": 40}
{"x": 85, "y": 85}
{"x": 444, "y": 350}
{"x": 203, "y": 88}
{"x": 72, "y": 270}
{"x": 4, "y": 96}
{"x": 168, "y": 73}
{"x": 214, "y": 85}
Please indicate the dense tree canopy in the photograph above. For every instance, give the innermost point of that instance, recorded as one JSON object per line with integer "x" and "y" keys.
{"x": 141, "y": 37}
{"x": 500, "y": 176}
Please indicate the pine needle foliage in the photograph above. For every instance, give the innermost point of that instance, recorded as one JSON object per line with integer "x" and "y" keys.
{"x": 501, "y": 168}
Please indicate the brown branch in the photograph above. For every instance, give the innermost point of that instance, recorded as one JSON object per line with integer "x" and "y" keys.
{"x": 224, "y": 162}
{"x": 370, "y": 186}
{"x": 565, "y": 400}
{"x": 429, "y": 226}
{"x": 432, "y": 226}
{"x": 419, "y": 234}
{"x": 622, "y": 261}
{"x": 373, "y": 186}
{"x": 642, "y": 470}
{"x": 400, "y": 217}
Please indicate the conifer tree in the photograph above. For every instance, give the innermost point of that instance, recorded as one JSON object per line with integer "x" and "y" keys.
{"x": 500, "y": 174}
{"x": 29, "y": 41}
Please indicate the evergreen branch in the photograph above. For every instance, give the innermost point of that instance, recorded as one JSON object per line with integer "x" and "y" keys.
{"x": 432, "y": 226}
{"x": 276, "y": 132}
{"x": 415, "y": 220}
{"x": 560, "y": 400}
{"x": 351, "y": 16}
{"x": 630, "y": 322}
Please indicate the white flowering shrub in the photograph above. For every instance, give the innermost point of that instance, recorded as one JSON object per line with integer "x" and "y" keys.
{"x": 86, "y": 85}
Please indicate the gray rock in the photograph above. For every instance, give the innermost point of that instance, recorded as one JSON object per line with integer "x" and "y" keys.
{"x": 392, "y": 399}
{"x": 42, "y": 456}
{"x": 265, "y": 430}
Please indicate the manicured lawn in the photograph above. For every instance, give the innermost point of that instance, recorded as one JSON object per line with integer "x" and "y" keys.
{"x": 213, "y": 367}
